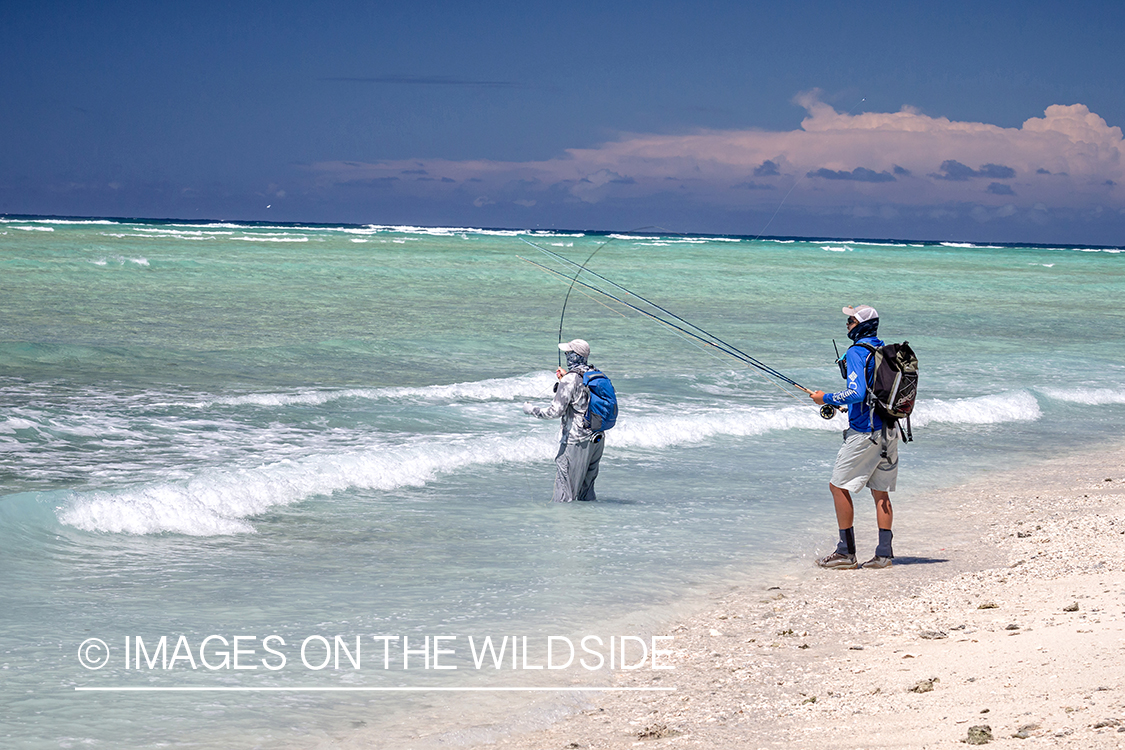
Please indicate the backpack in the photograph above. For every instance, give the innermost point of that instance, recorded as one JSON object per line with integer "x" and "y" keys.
{"x": 602, "y": 413}
{"x": 892, "y": 384}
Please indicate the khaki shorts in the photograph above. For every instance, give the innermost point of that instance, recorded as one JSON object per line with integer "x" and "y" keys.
{"x": 860, "y": 462}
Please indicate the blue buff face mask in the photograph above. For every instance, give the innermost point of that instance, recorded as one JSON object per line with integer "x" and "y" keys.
{"x": 864, "y": 330}
{"x": 574, "y": 359}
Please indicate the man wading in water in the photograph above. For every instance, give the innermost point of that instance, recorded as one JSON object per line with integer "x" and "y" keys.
{"x": 869, "y": 456}
{"x": 580, "y": 449}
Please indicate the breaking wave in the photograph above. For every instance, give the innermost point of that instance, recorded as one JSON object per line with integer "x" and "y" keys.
{"x": 1015, "y": 406}
{"x": 222, "y": 501}
{"x": 1087, "y": 396}
{"x": 534, "y": 385}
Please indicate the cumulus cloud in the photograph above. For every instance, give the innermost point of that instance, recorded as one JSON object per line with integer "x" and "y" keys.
{"x": 951, "y": 169}
{"x": 873, "y": 162}
{"x": 766, "y": 169}
{"x": 859, "y": 174}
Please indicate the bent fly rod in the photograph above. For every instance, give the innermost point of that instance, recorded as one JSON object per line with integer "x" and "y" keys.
{"x": 698, "y": 333}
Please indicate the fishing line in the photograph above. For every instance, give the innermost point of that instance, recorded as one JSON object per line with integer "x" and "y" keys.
{"x": 711, "y": 339}
{"x": 598, "y": 249}
{"x": 597, "y": 302}
{"x": 675, "y": 331}
{"x": 570, "y": 289}
{"x": 581, "y": 268}
{"x": 618, "y": 312}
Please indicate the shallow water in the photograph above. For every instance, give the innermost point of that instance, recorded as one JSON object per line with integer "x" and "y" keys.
{"x": 251, "y": 430}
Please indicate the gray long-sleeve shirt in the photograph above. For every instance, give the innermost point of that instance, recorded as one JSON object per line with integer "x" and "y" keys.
{"x": 570, "y": 402}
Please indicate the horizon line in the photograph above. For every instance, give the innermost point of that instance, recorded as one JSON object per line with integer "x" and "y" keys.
{"x": 663, "y": 232}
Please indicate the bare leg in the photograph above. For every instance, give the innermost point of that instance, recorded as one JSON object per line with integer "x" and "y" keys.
{"x": 884, "y": 514}
{"x": 845, "y": 510}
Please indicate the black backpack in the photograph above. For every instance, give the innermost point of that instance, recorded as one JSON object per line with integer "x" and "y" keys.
{"x": 892, "y": 384}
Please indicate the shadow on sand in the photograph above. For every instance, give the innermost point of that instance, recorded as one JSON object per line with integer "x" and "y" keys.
{"x": 919, "y": 560}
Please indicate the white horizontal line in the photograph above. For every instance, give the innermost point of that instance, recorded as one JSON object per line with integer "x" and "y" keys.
{"x": 369, "y": 689}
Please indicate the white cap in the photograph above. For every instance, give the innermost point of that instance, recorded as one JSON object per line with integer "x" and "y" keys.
{"x": 578, "y": 346}
{"x": 862, "y": 313}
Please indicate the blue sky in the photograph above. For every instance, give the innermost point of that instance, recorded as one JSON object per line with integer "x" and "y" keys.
{"x": 953, "y": 121}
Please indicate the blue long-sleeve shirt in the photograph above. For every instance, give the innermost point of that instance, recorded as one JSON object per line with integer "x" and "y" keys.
{"x": 859, "y": 362}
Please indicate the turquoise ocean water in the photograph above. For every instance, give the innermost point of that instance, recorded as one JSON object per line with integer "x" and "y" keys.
{"x": 245, "y": 430}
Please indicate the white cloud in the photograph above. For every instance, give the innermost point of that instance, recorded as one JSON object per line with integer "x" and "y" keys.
{"x": 1069, "y": 158}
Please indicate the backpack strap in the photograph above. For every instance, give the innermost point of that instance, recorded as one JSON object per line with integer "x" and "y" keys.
{"x": 869, "y": 398}
{"x": 581, "y": 379}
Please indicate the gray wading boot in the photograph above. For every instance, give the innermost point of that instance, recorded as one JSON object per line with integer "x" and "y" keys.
{"x": 838, "y": 561}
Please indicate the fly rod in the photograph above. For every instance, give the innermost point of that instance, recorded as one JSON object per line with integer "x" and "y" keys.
{"x": 712, "y": 342}
{"x": 711, "y": 339}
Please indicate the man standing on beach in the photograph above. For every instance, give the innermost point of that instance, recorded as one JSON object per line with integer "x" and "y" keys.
{"x": 869, "y": 456}
{"x": 580, "y": 448}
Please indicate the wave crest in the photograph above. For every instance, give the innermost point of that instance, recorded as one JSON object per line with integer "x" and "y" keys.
{"x": 1015, "y": 406}
{"x": 220, "y": 501}
{"x": 1087, "y": 396}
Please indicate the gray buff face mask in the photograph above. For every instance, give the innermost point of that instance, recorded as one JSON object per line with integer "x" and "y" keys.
{"x": 574, "y": 359}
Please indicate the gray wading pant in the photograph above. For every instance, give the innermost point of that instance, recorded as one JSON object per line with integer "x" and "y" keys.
{"x": 578, "y": 468}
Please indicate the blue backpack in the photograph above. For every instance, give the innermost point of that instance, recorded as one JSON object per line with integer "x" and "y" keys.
{"x": 602, "y": 414}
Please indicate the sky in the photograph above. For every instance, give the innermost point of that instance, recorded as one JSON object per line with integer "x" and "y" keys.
{"x": 954, "y": 121}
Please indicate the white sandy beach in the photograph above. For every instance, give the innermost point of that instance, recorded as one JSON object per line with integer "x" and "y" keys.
{"x": 1016, "y": 624}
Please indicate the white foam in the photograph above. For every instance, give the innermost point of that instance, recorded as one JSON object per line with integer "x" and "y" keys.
{"x": 120, "y": 260}
{"x": 220, "y": 502}
{"x": 32, "y": 229}
{"x": 1014, "y": 406}
{"x": 14, "y": 423}
{"x": 842, "y": 249}
{"x": 662, "y": 431}
{"x": 59, "y": 221}
{"x": 452, "y": 231}
{"x": 1088, "y": 396}
{"x": 178, "y": 232}
{"x": 442, "y": 231}
{"x": 223, "y": 501}
{"x": 222, "y": 225}
{"x": 534, "y": 385}
{"x": 885, "y": 244}
{"x": 270, "y": 238}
